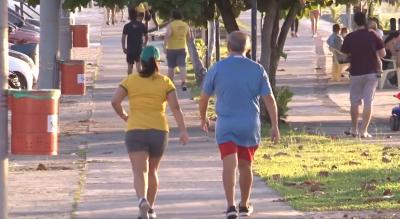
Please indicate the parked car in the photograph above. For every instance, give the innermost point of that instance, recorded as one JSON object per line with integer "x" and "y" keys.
{"x": 29, "y": 12}
{"x": 17, "y": 20}
{"x": 34, "y": 68}
{"x": 29, "y": 49}
{"x": 13, "y": 81}
{"x": 23, "y": 71}
{"x": 32, "y": 21}
{"x": 20, "y": 36}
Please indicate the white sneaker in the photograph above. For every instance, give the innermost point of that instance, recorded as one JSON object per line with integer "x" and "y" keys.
{"x": 144, "y": 208}
{"x": 152, "y": 214}
{"x": 245, "y": 211}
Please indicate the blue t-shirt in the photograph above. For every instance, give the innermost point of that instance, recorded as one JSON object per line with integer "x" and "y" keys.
{"x": 238, "y": 83}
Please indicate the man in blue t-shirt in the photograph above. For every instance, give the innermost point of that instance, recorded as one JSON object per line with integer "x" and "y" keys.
{"x": 134, "y": 38}
{"x": 238, "y": 83}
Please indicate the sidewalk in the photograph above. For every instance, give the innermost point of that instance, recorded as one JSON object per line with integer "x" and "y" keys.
{"x": 321, "y": 106}
{"x": 190, "y": 176}
{"x": 51, "y": 193}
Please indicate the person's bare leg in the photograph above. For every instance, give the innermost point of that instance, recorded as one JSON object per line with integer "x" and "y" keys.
{"x": 354, "y": 113}
{"x": 245, "y": 181}
{"x": 230, "y": 163}
{"x": 154, "y": 164}
{"x": 140, "y": 166}
{"x": 182, "y": 73}
{"x": 366, "y": 116}
{"x": 312, "y": 24}
{"x": 130, "y": 69}
{"x": 171, "y": 73}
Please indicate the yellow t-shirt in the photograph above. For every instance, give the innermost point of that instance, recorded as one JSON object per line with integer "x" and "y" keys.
{"x": 147, "y": 101}
{"x": 179, "y": 30}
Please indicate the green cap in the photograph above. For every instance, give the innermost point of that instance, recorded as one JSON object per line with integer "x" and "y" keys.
{"x": 149, "y": 52}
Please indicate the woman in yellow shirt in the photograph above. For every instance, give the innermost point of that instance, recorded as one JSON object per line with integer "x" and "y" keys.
{"x": 147, "y": 127}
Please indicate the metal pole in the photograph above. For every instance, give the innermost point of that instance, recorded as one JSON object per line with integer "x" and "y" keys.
{"x": 49, "y": 24}
{"x": 217, "y": 40}
{"x": 254, "y": 30}
{"x": 65, "y": 40}
{"x": 3, "y": 108}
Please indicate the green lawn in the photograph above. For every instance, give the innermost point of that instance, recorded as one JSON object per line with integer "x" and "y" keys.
{"x": 318, "y": 173}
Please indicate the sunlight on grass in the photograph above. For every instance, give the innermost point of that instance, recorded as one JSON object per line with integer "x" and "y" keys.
{"x": 316, "y": 173}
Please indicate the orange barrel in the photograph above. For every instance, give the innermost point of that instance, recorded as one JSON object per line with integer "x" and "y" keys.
{"x": 80, "y": 35}
{"x": 73, "y": 77}
{"x": 34, "y": 122}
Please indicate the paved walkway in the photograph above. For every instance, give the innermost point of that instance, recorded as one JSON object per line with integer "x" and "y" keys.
{"x": 319, "y": 105}
{"x": 190, "y": 175}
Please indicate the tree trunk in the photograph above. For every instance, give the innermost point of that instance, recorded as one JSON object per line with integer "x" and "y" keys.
{"x": 274, "y": 59}
{"x": 3, "y": 108}
{"x": 349, "y": 21}
{"x": 199, "y": 69}
{"x": 266, "y": 34}
{"x": 225, "y": 8}
{"x": 211, "y": 41}
{"x": 290, "y": 17}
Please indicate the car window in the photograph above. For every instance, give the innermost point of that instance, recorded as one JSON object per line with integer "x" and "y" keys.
{"x": 15, "y": 20}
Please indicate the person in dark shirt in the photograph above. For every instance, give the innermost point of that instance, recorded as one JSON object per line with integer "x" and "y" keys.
{"x": 365, "y": 49}
{"x": 134, "y": 38}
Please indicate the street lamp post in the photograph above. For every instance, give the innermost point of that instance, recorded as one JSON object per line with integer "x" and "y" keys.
{"x": 3, "y": 108}
{"x": 49, "y": 33}
{"x": 254, "y": 30}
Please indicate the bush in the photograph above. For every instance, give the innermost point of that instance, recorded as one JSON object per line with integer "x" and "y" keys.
{"x": 283, "y": 96}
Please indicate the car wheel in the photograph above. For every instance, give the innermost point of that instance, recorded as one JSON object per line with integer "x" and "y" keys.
{"x": 13, "y": 81}
{"x": 22, "y": 81}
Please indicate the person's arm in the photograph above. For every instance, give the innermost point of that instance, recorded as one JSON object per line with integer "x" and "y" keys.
{"x": 203, "y": 106}
{"x": 381, "y": 53}
{"x": 270, "y": 104}
{"x": 146, "y": 36}
{"x": 123, "y": 42}
{"x": 167, "y": 36}
{"x": 188, "y": 34}
{"x": 116, "y": 102}
{"x": 172, "y": 100}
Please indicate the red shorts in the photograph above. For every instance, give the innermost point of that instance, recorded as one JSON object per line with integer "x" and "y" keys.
{"x": 243, "y": 153}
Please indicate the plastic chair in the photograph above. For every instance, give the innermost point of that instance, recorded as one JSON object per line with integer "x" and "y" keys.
{"x": 387, "y": 71}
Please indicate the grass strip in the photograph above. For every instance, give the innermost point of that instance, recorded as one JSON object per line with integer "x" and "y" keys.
{"x": 320, "y": 173}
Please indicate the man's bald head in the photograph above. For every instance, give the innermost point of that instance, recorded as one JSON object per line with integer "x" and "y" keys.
{"x": 238, "y": 41}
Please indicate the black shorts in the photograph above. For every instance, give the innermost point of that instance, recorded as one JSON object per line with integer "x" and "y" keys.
{"x": 150, "y": 140}
{"x": 133, "y": 56}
